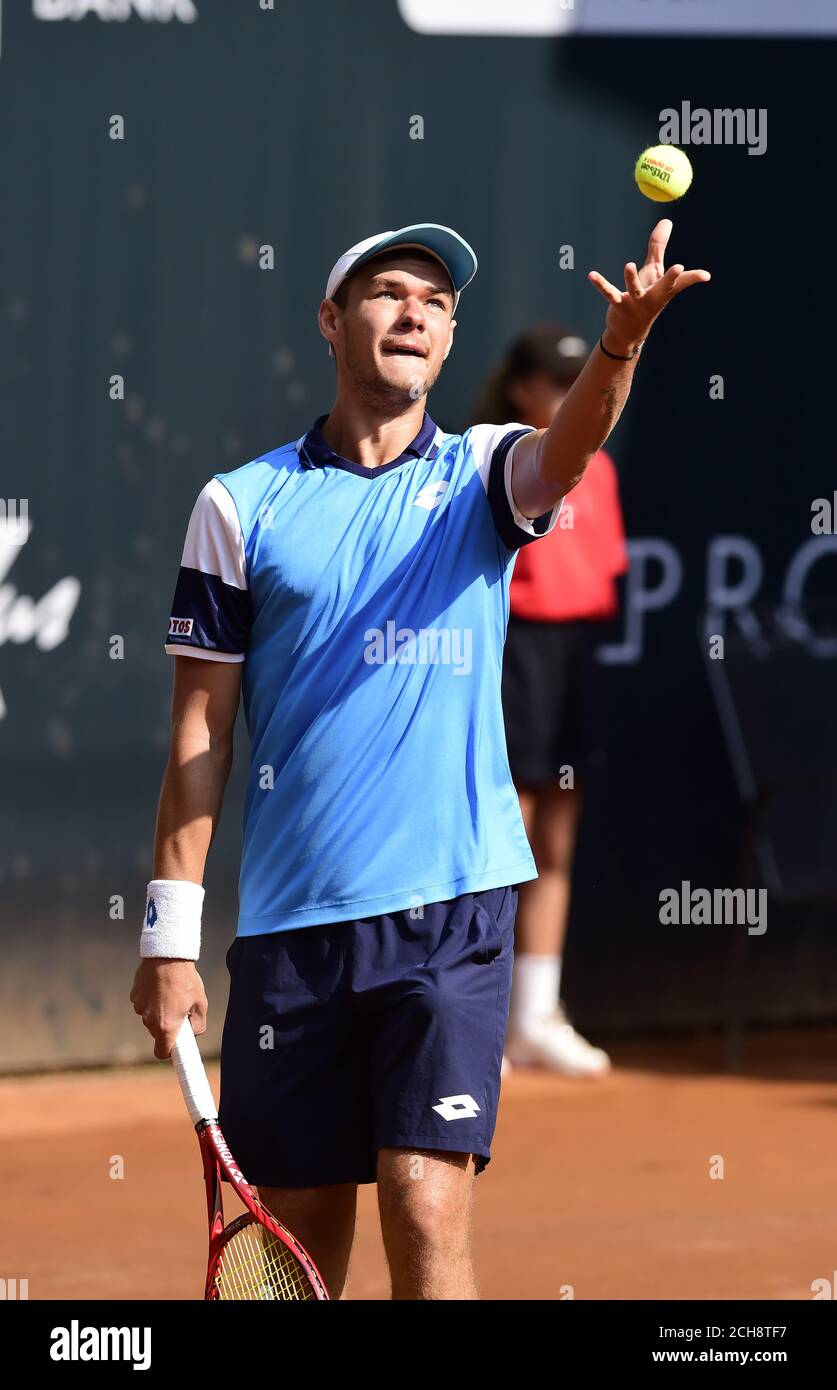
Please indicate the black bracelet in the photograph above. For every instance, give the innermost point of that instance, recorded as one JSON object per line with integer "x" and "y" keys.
{"x": 616, "y": 356}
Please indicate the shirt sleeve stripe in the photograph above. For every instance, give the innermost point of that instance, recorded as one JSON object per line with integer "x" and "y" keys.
{"x": 534, "y": 528}
{"x": 209, "y": 614}
{"x": 513, "y": 528}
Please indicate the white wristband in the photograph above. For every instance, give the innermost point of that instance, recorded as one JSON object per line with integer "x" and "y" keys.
{"x": 172, "y": 923}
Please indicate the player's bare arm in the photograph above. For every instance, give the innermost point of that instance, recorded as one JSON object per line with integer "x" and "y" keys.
{"x": 547, "y": 464}
{"x": 204, "y": 706}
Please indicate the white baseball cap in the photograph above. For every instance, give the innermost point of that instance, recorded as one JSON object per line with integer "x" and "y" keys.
{"x": 446, "y": 245}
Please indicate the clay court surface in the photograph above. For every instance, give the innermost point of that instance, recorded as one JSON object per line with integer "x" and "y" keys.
{"x": 600, "y": 1187}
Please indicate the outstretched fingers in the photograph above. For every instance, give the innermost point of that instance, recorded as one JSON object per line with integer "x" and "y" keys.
{"x": 690, "y": 277}
{"x": 610, "y": 292}
{"x": 633, "y": 284}
{"x": 658, "y": 241}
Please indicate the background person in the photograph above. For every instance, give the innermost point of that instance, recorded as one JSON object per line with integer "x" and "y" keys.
{"x": 561, "y": 591}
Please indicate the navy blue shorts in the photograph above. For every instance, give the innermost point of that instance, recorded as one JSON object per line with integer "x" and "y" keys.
{"x": 383, "y": 1032}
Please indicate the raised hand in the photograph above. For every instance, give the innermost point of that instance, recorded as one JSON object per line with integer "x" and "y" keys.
{"x": 647, "y": 291}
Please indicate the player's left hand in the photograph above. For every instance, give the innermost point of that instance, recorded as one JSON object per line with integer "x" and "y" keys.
{"x": 647, "y": 291}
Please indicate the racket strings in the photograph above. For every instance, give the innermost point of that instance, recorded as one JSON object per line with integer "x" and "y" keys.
{"x": 256, "y": 1266}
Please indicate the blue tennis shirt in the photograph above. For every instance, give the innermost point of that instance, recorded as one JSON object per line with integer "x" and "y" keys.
{"x": 369, "y": 607}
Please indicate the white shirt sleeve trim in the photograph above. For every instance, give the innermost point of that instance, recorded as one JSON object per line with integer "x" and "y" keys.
{"x": 526, "y": 523}
{"x": 205, "y": 653}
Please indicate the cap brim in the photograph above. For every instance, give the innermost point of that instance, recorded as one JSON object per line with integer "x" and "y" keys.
{"x": 456, "y": 255}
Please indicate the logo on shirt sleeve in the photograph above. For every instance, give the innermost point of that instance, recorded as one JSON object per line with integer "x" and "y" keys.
{"x": 181, "y": 627}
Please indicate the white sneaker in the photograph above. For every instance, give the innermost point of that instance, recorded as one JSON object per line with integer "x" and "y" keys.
{"x": 554, "y": 1043}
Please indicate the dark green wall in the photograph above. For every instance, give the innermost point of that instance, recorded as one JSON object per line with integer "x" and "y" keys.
{"x": 132, "y": 257}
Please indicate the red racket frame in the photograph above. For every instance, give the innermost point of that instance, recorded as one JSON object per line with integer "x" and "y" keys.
{"x": 217, "y": 1159}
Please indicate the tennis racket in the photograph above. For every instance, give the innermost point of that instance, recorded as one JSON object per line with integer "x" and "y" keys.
{"x": 254, "y": 1258}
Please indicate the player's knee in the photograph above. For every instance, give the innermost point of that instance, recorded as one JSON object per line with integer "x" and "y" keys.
{"x": 423, "y": 1195}
{"x": 432, "y": 1223}
{"x": 321, "y": 1211}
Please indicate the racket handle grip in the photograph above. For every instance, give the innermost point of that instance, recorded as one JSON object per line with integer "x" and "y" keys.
{"x": 194, "y": 1082}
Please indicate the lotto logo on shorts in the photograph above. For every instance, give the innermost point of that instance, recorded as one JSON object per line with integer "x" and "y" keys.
{"x": 180, "y": 627}
{"x": 457, "y": 1108}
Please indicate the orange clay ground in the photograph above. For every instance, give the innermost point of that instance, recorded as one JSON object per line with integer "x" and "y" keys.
{"x": 601, "y": 1187}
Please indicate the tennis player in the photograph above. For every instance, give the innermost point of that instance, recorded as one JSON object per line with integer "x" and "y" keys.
{"x": 354, "y": 585}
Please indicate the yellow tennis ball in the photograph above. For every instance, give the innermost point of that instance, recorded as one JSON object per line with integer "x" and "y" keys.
{"x": 663, "y": 173}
